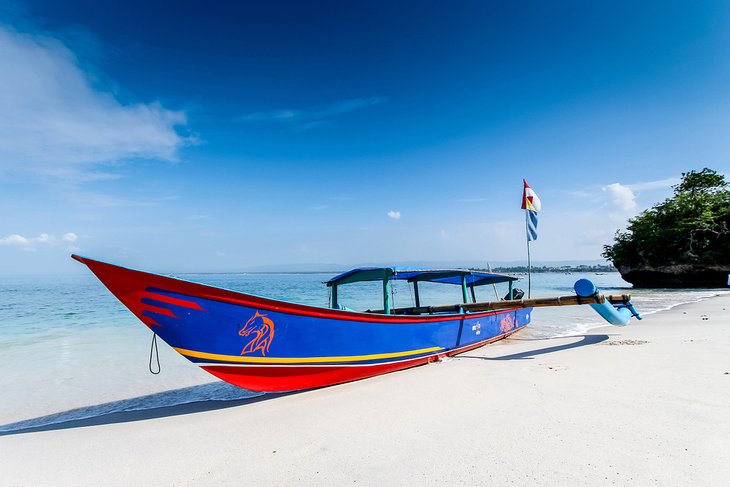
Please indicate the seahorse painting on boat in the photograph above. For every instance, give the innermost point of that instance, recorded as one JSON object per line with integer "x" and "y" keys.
{"x": 263, "y": 331}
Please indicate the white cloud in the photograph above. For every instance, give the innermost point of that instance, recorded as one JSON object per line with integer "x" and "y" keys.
{"x": 621, "y": 202}
{"x": 313, "y": 117}
{"x": 14, "y": 240}
{"x": 594, "y": 215}
{"x": 620, "y": 191}
{"x": 651, "y": 185}
{"x": 395, "y": 215}
{"x": 56, "y": 122}
{"x": 620, "y": 197}
{"x": 44, "y": 239}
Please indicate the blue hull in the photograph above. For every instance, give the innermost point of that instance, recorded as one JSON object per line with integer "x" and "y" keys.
{"x": 267, "y": 345}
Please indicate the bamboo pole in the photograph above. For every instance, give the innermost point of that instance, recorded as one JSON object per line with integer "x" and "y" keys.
{"x": 510, "y": 303}
{"x": 529, "y": 261}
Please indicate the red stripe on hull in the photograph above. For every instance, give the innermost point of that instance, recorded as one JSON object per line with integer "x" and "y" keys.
{"x": 292, "y": 377}
{"x": 130, "y": 286}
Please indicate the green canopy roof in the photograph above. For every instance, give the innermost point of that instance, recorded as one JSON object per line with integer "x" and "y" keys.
{"x": 443, "y": 276}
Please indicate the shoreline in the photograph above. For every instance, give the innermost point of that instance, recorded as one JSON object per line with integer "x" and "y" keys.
{"x": 599, "y": 325}
{"x": 212, "y": 389}
{"x": 92, "y": 351}
{"x": 654, "y": 407}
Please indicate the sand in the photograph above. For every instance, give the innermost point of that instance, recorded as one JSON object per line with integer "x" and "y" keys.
{"x": 648, "y": 404}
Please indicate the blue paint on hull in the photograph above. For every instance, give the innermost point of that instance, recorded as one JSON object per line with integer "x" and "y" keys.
{"x": 214, "y": 329}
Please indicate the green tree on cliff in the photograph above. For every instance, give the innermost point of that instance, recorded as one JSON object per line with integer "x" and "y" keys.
{"x": 691, "y": 227}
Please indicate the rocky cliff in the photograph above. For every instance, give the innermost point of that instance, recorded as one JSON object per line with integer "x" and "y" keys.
{"x": 676, "y": 276}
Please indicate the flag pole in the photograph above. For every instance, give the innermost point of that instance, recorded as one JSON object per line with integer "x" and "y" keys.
{"x": 529, "y": 262}
{"x": 531, "y": 204}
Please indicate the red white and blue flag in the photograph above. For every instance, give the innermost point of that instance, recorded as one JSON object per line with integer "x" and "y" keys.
{"x": 531, "y": 204}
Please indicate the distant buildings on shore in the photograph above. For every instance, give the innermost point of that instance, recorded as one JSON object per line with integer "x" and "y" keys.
{"x": 560, "y": 269}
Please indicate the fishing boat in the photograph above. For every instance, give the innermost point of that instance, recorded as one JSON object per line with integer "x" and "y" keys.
{"x": 269, "y": 345}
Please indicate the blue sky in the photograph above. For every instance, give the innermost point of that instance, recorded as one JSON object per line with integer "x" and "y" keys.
{"x": 209, "y": 137}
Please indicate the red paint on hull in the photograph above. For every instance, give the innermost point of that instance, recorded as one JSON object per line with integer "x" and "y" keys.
{"x": 130, "y": 286}
{"x": 292, "y": 378}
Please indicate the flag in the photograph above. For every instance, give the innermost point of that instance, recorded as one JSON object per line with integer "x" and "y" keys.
{"x": 530, "y": 201}
{"x": 531, "y": 204}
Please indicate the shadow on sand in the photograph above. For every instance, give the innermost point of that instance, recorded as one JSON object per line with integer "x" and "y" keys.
{"x": 207, "y": 397}
{"x": 210, "y": 397}
{"x": 586, "y": 340}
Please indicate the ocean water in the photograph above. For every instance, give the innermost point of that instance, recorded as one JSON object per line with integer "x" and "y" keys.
{"x": 70, "y": 350}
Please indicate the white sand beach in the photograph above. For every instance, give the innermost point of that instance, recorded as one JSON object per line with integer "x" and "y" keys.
{"x": 648, "y": 404}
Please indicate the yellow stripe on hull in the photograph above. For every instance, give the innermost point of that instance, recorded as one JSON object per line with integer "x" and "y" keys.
{"x": 302, "y": 360}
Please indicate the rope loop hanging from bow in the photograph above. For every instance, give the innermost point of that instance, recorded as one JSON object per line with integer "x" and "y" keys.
{"x": 156, "y": 351}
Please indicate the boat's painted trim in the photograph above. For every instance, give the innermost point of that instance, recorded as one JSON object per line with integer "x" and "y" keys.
{"x": 193, "y": 289}
{"x": 277, "y": 377}
{"x": 449, "y": 353}
{"x": 267, "y": 345}
{"x": 302, "y": 360}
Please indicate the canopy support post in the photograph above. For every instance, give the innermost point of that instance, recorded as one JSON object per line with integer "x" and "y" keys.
{"x": 334, "y": 296}
{"x": 464, "y": 293}
{"x": 386, "y": 294}
{"x": 415, "y": 292}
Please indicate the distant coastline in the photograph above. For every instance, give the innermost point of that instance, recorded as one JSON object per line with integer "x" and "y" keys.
{"x": 597, "y": 265}
{"x": 503, "y": 270}
{"x": 335, "y": 269}
{"x": 558, "y": 269}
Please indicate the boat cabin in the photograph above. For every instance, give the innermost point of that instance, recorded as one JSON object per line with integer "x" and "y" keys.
{"x": 468, "y": 279}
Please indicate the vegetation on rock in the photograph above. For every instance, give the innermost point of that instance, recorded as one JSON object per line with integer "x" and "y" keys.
{"x": 692, "y": 227}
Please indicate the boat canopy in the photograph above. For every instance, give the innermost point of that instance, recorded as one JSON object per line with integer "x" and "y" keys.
{"x": 469, "y": 277}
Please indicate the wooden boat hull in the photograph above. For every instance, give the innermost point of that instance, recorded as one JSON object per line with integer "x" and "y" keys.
{"x": 267, "y": 345}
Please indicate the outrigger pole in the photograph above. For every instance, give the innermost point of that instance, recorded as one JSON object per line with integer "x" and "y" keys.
{"x": 616, "y": 309}
{"x": 509, "y": 303}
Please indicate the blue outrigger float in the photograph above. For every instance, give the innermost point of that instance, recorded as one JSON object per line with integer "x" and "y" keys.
{"x": 269, "y": 345}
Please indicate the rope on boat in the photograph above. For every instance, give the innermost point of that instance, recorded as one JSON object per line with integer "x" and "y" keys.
{"x": 496, "y": 294}
{"x": 156, "y": 350}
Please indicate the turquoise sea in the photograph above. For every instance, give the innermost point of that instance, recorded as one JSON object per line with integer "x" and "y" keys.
{"x": 70, "y": 350}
